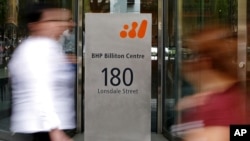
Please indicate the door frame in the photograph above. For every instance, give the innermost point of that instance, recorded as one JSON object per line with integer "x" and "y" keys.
{"x": 241, "y": 27}
{"x": 242, "y": 40}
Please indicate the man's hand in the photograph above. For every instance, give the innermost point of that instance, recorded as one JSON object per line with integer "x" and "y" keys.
{"x": 58, "y": 135}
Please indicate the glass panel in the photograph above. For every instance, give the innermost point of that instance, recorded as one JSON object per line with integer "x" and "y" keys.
{"x": 192, "y": 16}
{"x": 170, "y": 61}
{"x": 197, "y": 14}
{"x": 134, "y": 6}
{"x": 12, "y": 32}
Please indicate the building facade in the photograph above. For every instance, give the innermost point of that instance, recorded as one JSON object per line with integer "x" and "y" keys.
{"x": 171, "y": 22}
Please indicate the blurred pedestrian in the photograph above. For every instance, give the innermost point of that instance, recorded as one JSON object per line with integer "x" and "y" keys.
{"x": 219, "y": 99}
{"x": 41, "y": 77}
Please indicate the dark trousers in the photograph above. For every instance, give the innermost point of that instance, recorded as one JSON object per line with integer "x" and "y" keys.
{"x": 41, "y": 136}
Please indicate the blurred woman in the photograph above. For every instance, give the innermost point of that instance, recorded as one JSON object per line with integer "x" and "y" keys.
{"x": 219, "y": 99}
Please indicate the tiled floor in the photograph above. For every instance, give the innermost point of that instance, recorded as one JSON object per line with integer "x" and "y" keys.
{"x": 154, "y": 137}
{"x": 4, "y": 125}
{"x": 78, "y": 137}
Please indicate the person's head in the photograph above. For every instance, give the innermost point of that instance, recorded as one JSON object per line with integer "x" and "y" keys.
{"x": 215, "y": 49}
{"x": 46, "y": 19}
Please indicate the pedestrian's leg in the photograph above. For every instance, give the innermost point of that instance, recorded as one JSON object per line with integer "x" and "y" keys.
{"x": 41, "y": 136}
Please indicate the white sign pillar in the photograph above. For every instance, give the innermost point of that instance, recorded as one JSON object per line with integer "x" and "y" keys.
{"x": 117, "y": 77}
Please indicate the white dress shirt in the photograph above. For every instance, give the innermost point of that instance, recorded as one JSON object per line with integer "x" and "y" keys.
{"x": 42, "y": 87}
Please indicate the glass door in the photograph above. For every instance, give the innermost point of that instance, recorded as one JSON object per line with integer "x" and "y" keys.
{"x": 181, "y": 18}
{"x": 170, "y": 66}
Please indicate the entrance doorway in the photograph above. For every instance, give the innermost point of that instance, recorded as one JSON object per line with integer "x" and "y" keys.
{"x": 179, "y": 19}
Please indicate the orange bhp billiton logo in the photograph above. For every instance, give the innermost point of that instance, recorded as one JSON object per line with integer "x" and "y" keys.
{"x": 134, "y": 31}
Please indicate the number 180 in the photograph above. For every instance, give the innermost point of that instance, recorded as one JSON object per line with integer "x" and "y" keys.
{"x": 126, "y": 76}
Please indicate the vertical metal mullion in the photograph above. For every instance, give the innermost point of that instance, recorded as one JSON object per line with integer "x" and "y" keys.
{"x": 160, "y": 64}
{"x": 164, "y": 71}
{"x": 242, "y": 39}
{"x": 79, "y": 77}
{"x": 179, "y": 23}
